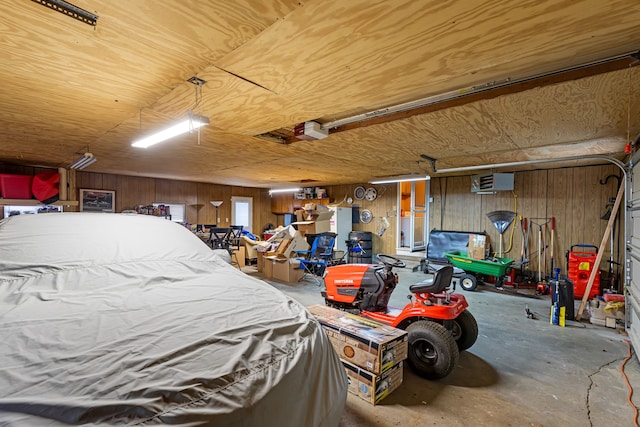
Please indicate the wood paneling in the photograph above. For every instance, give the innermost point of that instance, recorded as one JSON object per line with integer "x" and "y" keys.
{"x": 574, "y": 196}
{"x": 132, "y": 191}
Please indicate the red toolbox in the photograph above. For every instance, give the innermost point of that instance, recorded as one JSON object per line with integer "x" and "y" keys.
{"x": 15, "y": 186}
{"x": 580, "y": 263}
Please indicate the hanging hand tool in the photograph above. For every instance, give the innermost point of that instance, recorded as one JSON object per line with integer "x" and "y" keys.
{"x": 541, "y": 287}
{"x": 522, "y": 229}
{"x": 557, "y": 311}
{"x": 540, "y": 249}
{"x": 545, "y": 245}
{"x": 553, "y": 228}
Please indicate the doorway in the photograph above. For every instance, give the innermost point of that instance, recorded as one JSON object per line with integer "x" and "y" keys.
{"x": 242, "y": 212}
{"x": 413, "y": 216}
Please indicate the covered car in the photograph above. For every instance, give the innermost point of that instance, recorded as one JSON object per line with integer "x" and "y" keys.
{"x": 133, "y": 320}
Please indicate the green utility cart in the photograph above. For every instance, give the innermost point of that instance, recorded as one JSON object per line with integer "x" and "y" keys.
{"x": 476, "y": 269}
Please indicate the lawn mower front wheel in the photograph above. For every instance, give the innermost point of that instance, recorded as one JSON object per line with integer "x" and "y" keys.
{"x": 433, "y": 352}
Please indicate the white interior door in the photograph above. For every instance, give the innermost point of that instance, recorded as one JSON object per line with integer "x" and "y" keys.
{"x": 419, "y": 215}
{"x": 413, "y": 215}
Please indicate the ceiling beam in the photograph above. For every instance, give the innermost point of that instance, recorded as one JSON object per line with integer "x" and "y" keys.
{"x": 616, "y": 64}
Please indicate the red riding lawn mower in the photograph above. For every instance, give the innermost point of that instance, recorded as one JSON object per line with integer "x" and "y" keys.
{"x": 437, "y": 321}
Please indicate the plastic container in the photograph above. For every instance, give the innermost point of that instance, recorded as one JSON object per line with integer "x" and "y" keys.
{"x": 580, "y": 264}
{"x": 565, "y": 294}
{"x": 490, "y": 268}
{"x": 15, "y": 186}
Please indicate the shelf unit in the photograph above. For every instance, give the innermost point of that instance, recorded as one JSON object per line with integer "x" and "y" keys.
{"x": 34, "y": 202}
{"x": 285, "y": 203}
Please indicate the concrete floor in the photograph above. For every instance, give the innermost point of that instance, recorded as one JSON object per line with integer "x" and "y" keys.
{"x": 520, "y": 371}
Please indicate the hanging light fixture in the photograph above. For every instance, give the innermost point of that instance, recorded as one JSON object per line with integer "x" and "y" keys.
{"x": 401, "y": 178}
{"x": 84, "y": 161}
{"x": 284, "y": 190}
{"x": 189, "y": 124}
{"x": 70, "y": 10}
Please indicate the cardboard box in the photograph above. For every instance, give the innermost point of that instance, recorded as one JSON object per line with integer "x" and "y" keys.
{"x": 371, "y": 345}
{"x": 319, "y": 224}
{"x": 607, "y": 314}
{"x": 267, "y": 267}
{"x": 260, "y": 264}
{"x": 371, "y": 387}
{"x": 284, "y": 269}
{"x": 297, "y": 243}
{"x": 282, "y": 233}
{"x": 282, "y": 247}
{"x": 478, "y": 246}
{"x": 241, "y": 254}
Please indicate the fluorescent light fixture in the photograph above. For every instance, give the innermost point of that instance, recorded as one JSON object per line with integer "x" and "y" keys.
{"x": 70, "y": 10}
{"x": 84, "y": 161}
{"x": 285, "y": 190}
{"x": 401, "y": 178}
{"x": 187, "y": 125}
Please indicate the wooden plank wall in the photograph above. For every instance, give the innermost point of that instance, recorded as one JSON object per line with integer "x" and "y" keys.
{"x": 134, "y": 191}
{"x": 385, "y": 204}
{"x": 574, "y": 196}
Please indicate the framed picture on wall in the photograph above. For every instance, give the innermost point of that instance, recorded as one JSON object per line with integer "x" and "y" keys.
{"x": 97, "y": 200}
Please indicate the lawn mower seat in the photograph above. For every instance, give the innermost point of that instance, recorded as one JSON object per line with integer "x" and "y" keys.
{"x": 441, "y": 281}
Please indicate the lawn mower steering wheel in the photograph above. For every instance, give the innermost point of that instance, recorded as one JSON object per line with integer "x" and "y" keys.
{"x": 390, "y": 261}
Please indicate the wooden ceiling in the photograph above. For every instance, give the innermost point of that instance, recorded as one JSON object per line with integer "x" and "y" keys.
{"x": 67, "y": 87}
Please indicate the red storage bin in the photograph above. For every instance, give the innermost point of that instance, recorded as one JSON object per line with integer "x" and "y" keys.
{"x": 580, "y": 264}
{"x": 15, "y": 186}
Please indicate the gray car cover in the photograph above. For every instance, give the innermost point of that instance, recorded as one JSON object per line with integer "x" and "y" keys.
{"x": 133, "y": 320}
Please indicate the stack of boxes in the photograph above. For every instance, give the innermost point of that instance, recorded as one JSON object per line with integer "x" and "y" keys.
{"x": 607, "y": 313}
{"x": 372, "y": 353}
{"x": 281, "y": 263}
{"x": 313, "y": 219}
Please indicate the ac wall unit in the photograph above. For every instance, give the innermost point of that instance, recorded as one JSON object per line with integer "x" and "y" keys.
{"x": 491, "y": 182}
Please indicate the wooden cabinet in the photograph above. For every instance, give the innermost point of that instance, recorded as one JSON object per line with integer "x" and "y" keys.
{"x": 282, "y": 203}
